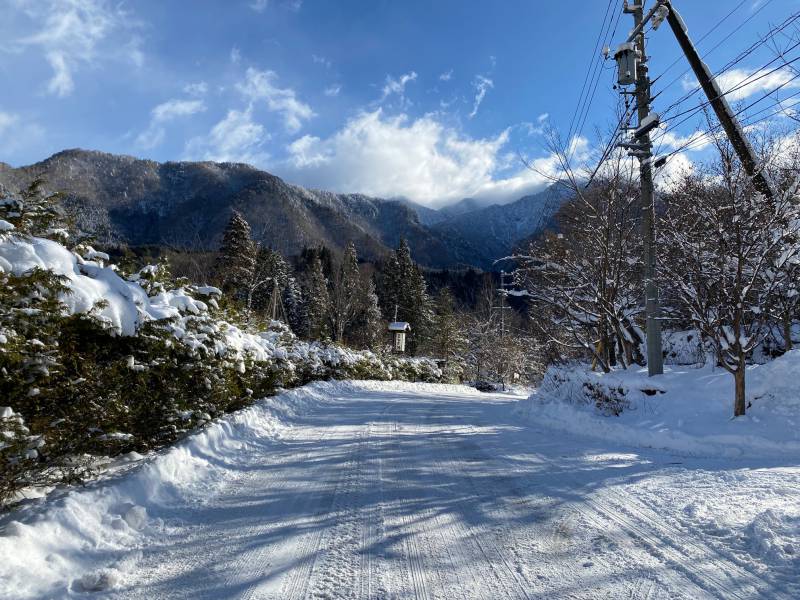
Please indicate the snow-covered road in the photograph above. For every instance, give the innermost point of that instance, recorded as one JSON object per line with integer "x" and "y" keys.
{"x": 393, "y": 490}
{"x": 403, "y": 494}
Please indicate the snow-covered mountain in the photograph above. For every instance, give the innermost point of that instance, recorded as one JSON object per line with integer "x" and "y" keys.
{"x": 483, "y": 235}
{"x": 124, "y": 200}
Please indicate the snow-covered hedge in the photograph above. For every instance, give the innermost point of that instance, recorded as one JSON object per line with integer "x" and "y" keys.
{"x": 97, "y": 364}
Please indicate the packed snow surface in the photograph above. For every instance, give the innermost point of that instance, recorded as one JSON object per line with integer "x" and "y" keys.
{"x": 687, "y": 410}
{"x": 399, "y": 490}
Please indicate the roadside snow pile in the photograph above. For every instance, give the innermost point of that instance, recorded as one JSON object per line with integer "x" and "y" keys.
{"x": 774, "y": 536}
{"x": 685, "y": 410}
{"x": 53, "y": 550}
{"x": 456, "y": 390}
{"x": 94, "y": 365}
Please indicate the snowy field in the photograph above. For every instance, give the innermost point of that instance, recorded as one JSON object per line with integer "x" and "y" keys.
{"x": 396, "y": 490}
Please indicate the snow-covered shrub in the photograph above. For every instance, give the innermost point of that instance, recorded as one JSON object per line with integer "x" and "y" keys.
{"x": 19, "y": 452}
{"x": 683, "y": 348}
{"x": 610, "y": 393}
{"x": 94, "y": 365}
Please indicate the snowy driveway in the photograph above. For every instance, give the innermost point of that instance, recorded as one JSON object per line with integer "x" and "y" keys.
{"x": 435, "y": 494}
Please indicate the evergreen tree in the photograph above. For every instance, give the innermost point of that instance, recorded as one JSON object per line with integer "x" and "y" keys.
{"x": 35, "y": 213}
{"x": 346, "y": 296}
{"x": 404, "y": 287}
{"x": 446, "y": 340}
{"x": 237, "y": 258}
{"x": 271, "y": 278}
{"x": 369, "y": 326}
{"x": 294, "y": 307}
{"x": 260, "y": 284}
{"x": 317, "y": 301}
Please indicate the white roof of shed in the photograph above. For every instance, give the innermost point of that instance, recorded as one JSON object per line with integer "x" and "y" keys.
{"x": 399, "y": 326}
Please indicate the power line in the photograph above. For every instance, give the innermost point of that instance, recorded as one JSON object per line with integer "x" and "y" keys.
{"x": 589, "y": 69}
{"x": 747, "y": 81}
{"x": 704, "y": 36}
{"x": 702, "y": 138}
{"x": 597, "y": 78}
{"x": 625, "y": 118}
{"x": 756, "y": 75}
{"x": 718, "y": 44}
{"x": 741, "y": 56}
{"x": 607, "y": 35}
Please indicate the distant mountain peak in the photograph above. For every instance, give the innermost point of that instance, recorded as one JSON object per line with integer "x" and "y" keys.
{"x": 126, "y": 200}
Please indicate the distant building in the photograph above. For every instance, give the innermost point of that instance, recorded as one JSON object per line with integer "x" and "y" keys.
{"x": 398, "y": 330}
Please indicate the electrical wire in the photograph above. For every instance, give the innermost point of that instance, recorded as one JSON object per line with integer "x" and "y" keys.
{"x": 757, "y": 74}
{"x": 608, "y": 35}
{"x": 718, "y": 44}
{"x": 704, "y": 36}
{"x": 733, "y": 62}
{"x": 696, "y": 140}
{"x": 590, "y": 68}
{"x": 745, "y": 82}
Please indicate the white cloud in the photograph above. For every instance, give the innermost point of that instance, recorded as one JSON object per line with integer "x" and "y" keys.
{"x": 423, "y": 160}
{"x": 670, "y": 140}
{"x": 447, "y": 76}
{"x": 333, "y": 90}
{"x": 542, "y": 117}
{"x": 258, "y": 86}
{"x": 162, "y": 114}
{"x": 397, "y": 86}
{"x": 259, "y": 5}
{"x": 236, "y": 55}
{"x": 482, "y": 85}
{"x": 199, "y": 88}
{"x": 668, "y": 176}
{"x": 6, "y": 121}
{"x": 177, "y": 108}
{"x": 236, "y": 138}
{"x": 758, "y": 81}
{"x": 61, "y": 83}
{"x": 74, "y": 33}
{"x": 18, "y": 135}
{"x": 321, "y": 60}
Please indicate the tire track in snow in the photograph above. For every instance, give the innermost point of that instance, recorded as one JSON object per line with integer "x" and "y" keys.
{"x": 261, "y": 558}
{"x": 667, "y": 545}
{"x": 480, "y": 553}
{"x": 491, "y": 548}
{"x": 301, "y": 580}
{"x": 559, "y": 535}
{"x": 339, "y": 571}
{"x": 727, "y": 579}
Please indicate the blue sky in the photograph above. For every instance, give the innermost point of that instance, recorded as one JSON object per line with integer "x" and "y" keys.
{"x": 434, "y": 101}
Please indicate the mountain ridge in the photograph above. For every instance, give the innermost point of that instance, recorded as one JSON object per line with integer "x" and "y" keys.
{"x": 123, "y": 200}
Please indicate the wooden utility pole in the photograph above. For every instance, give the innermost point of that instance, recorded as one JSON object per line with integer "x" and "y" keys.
{"x": 632, "y": 69}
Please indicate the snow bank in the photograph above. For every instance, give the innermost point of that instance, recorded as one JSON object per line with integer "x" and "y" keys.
{"x": 686, "y": 410}
{"x": 54, "y": 549}
{"x": 773, "y": 536}
{"x": 407, "y": 386}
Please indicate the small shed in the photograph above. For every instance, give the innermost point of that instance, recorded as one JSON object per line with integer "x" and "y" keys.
{"x": 398, "y": 330}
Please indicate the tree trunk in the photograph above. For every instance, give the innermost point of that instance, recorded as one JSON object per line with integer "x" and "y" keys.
{"x": 787, "y": 333}
{"x": 739, "y": 404}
